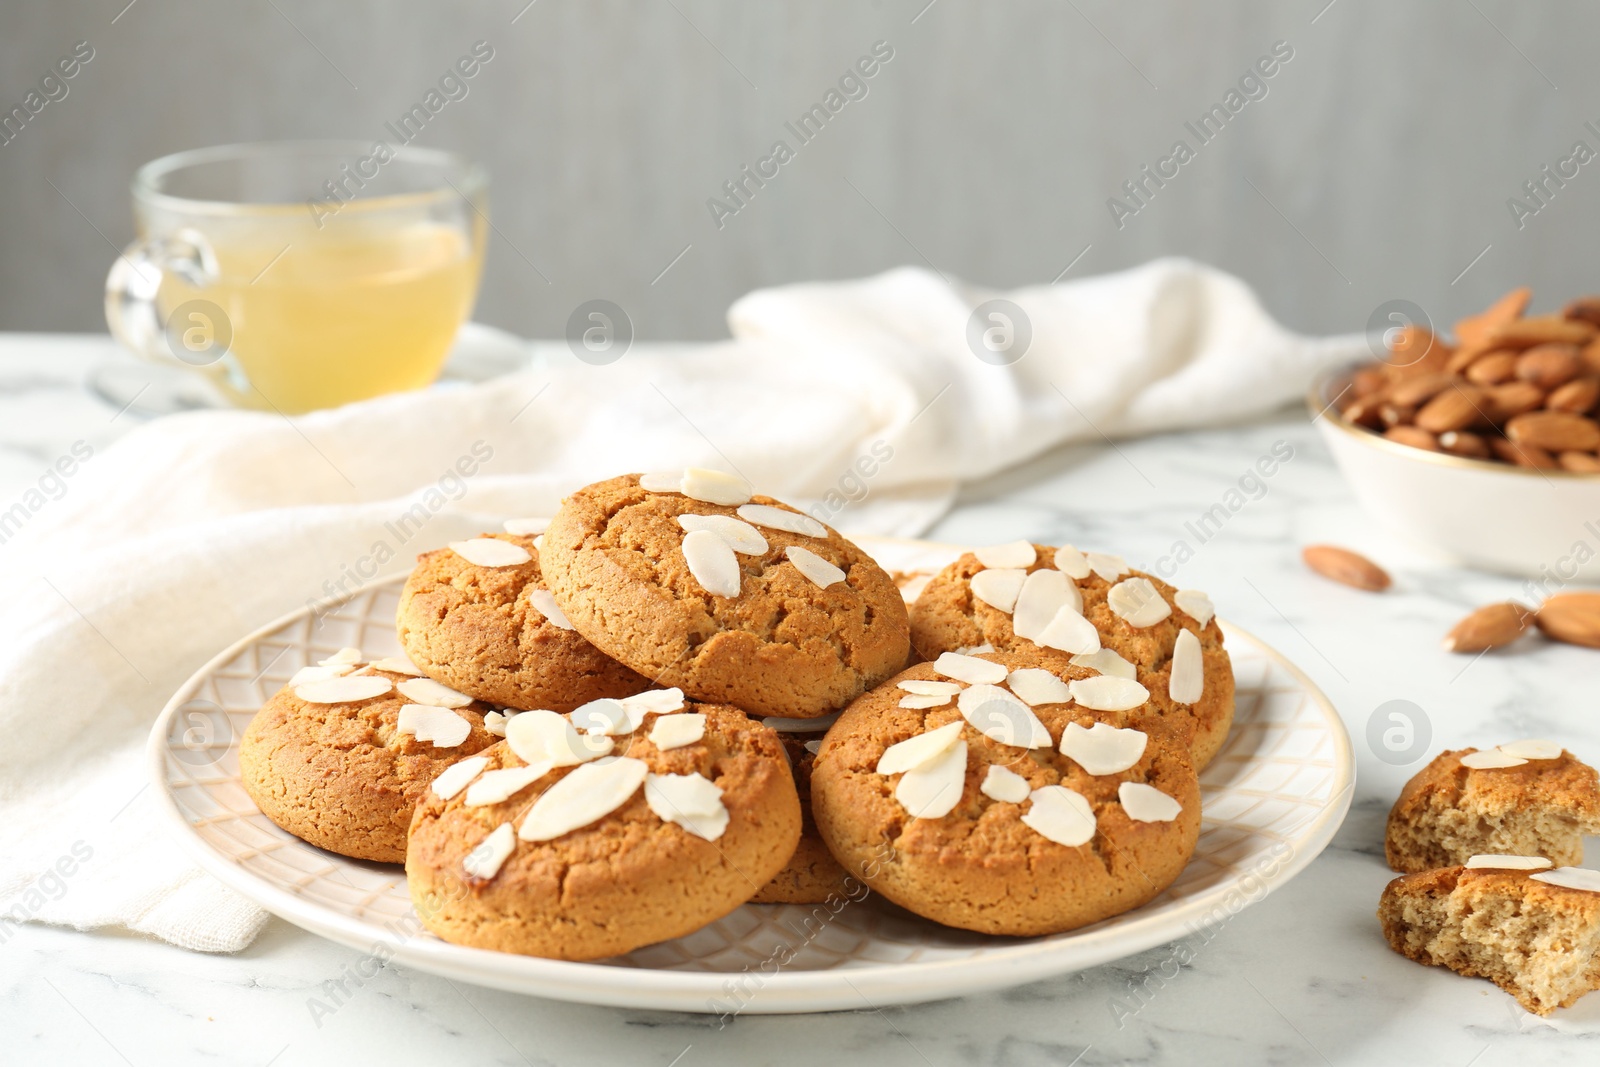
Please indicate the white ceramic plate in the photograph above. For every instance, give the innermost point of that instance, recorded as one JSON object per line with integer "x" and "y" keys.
{"x": 1271, "y": 801}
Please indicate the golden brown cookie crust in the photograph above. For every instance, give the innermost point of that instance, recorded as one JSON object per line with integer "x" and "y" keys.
{"x": 812, "y": 875}
{"x": 473, "y": 629}
{"x": 340, "y": 776}
{"x": 979, "y": 867}
{"x": 614, "y": 560}
{"x": 947, "y": 617}
{"x": 1448, "y": 813}
{"x": 628, "y": 879}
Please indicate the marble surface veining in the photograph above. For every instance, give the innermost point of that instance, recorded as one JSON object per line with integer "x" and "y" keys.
{"x": 1301, "y": 978}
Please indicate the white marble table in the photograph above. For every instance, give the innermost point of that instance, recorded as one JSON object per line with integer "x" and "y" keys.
{"x": 1302, "y": 977}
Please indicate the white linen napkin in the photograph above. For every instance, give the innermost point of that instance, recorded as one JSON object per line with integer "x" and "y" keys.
{"x": 863, "y": 400}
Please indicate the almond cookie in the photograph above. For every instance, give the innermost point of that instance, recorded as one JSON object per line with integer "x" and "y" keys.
{"x": 478, "y": 617}
{"x": 689, "y": 579}
{"x": 1090, "y": 610}
{"x": 1532, "y": 930}
{"x": 1525, "y": 798}
{"x": 658, "y": 816}
{"x": 997, "y": 794}
{"x": 339, "y": 756}
{"x": 812, "y": 875}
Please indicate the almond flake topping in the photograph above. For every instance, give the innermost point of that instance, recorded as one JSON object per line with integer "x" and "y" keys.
{"x": 931, "y": 790}
{"x": 1107, "y": 692}
{"x": 543, "y": 735}
{"x": 343, "y": 690}
{"x": 1061, "y": 815}
{"x": 1004, "y": 785}
{"x": 527, "y": 527}
{"x": 1036, "y": 686}
{"x": 1103, "y": 748}
{"x": 485, "y": 861}
{"x": 1195, "y": 604}
{"x": 495, "y": 722}
{"x": 396, "y": 665}
{"x": 1070, "y": 632}
{"x": 320, "y": 673}
{"x": 1570, "y": 878}
{"x": 538, "y": 543}
{"x": 1187, "y": 681}
{"x": 490, "y": 552}
{"x": 1000, "y": 716}
{"x": 1491, "y": 760}
{"x": 998, "y": 588}
{"x": 820, "y": 571}
{"x": 544, "y": 602}
{"x": 929, "y": 688}
{"x": 425, "y": 722}
{"x": 586, "y": 795}
{"x": 782, "y": 519}
{"x": 428, "y": 691}
{"x": 916, "y": 701}
{"x": 1010, "y": 554}
{"x": 346, "y": 655}
{"x": 913, "y": 752}
{"x": 1106, "y": 662}
{"x": 662, "y": 482}
{"x": 1497, "y": 861}
{"x": 1044, "y": 593}
{"x": 1146, "y": 803}
{"x": 969, "y": 669}
{"x": 659, "y": 701}
{"x": 1138, "y": 603}
{"x": 975, "y": 650}
{"x": 676, "y": 731}
{"x": 692, "y": 801}
{"x": 715, "y": 487}
{"x": 454, "y": 778}
{"x": 1071, "y": 562}
{"x": 607, "y": 716}
{"x": 497, "y": 786}
{"x": 1106, "y": 565}
{"x": 740, "y": 535}
{"x": 712, "y": 562}
{"x": 814, "y": 747}
{"x": 1532, "y": 749}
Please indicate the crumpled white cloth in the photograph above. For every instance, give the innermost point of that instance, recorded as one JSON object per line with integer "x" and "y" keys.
{"x": 861, "y": 398}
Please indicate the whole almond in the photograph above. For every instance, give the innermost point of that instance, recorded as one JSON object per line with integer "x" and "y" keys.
{"x": 1410, "y": 435}
{"x": 1571, "y": 617}
{"x": 1530, "y": 456}
{"x": 1462, "y": 443}
{"x": 1475, "y": 328}
{"x": 1577, "y": 397}
{"x": 1415, "y": 350}
{"x": 1541, "y": 330}
{"x": 1590, "y": 354}
{"x": 1368, "y": 381}
{"x": 1494, "y": 368}
{"x": 1491, "y": 626}
{"x": 1345, "y": 567}
{"x": 1553, "y": 431}
{"x": 1581, "y": 462}
{"x": 1512, "y": 398}
{"x": 1548, "y": 366}
{"x": 1586, "y": 308}
{"x": 1466, "y": 356}
{"x": 1395, "y": 414}
{"x": 1366, "y": 412}
{"x": 1423, "y": 387}
{"x": 1457, "y": 408}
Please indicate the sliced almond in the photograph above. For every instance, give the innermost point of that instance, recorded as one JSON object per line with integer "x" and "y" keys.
{"x": 490, "y": 854}
{"x": 1187, "y": 679}
{"x": 969, "y": 669}
{"x": 454, "y": 778}
{"x": 821, "y": 573}
{"x": 585, "y": 796}
{"x": 1570, "y": 617}
{"x": 1491, "y": 626}
{"x": 999, "y": 587}
{"x": 677, "y": 731}
{"x": 1570, "y": 878}
{"x": 712, "y": 562}
{"x": 1106, "y": 661}
{"x": 319, "y": 673}
{"x": 1490, "y": 760}
{"x": 1503, "y": 862}
{"x": 775, "y": 518}
{"x": 1037, "y": 686}
{"x": 1009, "y": 555}
{"x": 715, "y": 487}
{"x": 427, "y": 722}
{"x": 1346, "y": 567}
{"x": 999, "y": 715}
{"x": 740, "y": 535}
{"x": 1532, "y": 749}
{"x": 544, "y": 602}
{"x": 929, "y": 688}
{"x": 490, "y": 552}
{"x": 913, "y": 752}
{"x": 659, "y": 701}
{"x": 1070, "y": 632}
{"x": 346, "y": 690}
{"x": 1138, "y": 603}
{"x": 662, "y": 482}
{"x": 1043, "y": 593}
{"x": 1106, "y": 565}
{"x": 396, "y": 665}
{"x": 428, "y": 691}
{"x": 691, "y": 801}
{"x": 607, "y": 716}
{"x": 1102, "y": 748}
{"x": 1061, "y": 815}
{"x": 1004, "y": 785}
{"x": 1146, "y": 803}
{"x": 543, "y": 735}
{"x": 496, "y": 787}
{"x": 920, "y": 701}
{"x": 1196, "y": 605}
{"x": 494, "y": 722}
{"x": 1107, "y": 692}
{"x": 1071, "y": 562}
{"x": 930, "y": 790}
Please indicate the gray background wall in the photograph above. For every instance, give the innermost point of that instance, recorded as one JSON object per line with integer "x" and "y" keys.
{"x": 1377, "y": 167}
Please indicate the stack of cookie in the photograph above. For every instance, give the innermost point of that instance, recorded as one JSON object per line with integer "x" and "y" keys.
{"x": 1490, "y": 842}
{"x": 681, "y": 697}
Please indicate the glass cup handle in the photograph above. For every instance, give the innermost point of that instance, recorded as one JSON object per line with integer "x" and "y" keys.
{"x": 131, "y": 290}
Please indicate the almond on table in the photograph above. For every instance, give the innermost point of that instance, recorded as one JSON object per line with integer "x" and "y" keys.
{"x": 1491, "y": 626}
{"x": 1571, "y": 617}
{"x": 1346, "y": 567}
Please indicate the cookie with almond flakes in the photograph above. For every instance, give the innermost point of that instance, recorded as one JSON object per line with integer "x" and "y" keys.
{"x": 690, "y": 579}
{"x": 488, "y": 626}
{"x": 1010, "y": 596}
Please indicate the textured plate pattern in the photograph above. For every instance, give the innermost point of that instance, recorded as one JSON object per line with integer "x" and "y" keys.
{"x": 1271, "y": 801}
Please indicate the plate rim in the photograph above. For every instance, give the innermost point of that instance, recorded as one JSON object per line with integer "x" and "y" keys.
{"x": 783, "y": 992}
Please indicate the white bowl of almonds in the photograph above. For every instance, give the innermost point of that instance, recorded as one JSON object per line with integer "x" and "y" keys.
{"x": 1484, "y": 449}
